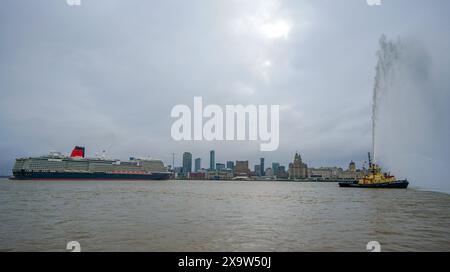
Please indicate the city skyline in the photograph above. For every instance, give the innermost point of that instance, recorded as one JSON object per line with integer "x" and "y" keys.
{"x": 296, "y": 170}
{"x": 68, "y": 78}
{"x": 187, "y": 157}
{"x": 251, "y": 129}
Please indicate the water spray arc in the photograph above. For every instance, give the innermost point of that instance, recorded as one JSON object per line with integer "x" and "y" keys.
{"x": 384, "y": 73}
{"x": 410, "y": 112}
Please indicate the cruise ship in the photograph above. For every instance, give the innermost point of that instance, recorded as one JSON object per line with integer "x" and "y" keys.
{"x": 77, "y": 166}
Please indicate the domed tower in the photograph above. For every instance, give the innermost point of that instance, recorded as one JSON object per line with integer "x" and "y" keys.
{"x": 352, "y": 167}
{"x": 298, "y": 169}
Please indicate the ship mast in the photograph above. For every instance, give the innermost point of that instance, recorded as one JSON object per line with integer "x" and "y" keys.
{"x": 373, "y": 133}
{"x": 371, "y": 166}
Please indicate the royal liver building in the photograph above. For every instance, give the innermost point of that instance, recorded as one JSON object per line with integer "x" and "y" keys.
{"x": 298, "y": 169}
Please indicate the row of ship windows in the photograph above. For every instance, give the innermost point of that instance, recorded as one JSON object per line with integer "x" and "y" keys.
{"x": 72, "y": 166}
{"x": 82, "y": 168}
{"x": 83, "y": 164}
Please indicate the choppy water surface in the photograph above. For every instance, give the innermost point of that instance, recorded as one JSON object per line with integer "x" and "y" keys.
{"x": 218, "y": 216}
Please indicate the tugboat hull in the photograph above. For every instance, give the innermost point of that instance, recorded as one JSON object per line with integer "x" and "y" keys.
{"x": 399, "y": 184}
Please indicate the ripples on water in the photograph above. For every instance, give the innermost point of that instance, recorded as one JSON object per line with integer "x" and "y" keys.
{"x": 218, "y": 216}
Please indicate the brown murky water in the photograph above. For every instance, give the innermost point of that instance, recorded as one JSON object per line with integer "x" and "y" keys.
{"x": 218, "y": 216}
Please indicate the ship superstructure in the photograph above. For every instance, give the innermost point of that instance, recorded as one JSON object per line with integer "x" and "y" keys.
{"x": 77, "y": 166}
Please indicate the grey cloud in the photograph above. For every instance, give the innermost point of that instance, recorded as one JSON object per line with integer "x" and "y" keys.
{"x": 106, "y": 74}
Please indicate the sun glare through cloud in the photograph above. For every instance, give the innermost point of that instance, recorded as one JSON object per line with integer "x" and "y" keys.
{"x": 275, "y": 30}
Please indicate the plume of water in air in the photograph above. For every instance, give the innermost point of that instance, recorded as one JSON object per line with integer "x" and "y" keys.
{"x": 388, "y": 55}
{"x": 408, "y": 133}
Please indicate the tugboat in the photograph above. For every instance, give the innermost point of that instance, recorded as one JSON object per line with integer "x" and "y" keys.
{"x": 376, "y": 179}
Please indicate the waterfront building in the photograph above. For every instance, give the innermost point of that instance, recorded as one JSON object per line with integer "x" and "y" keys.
{"x": 198, "y": 164}
{"x": 351, "y": 172}
{"x": 187, "y": 162}
{"x": 282, "y": 174}
{"x": 220, "y": 166}
{"x": 178, "y": 171}
{"x": 261, "y": 163}
{"x": 352, "y": 166}
{"x": 324, "y": 173}
{"x": 241, "y": 168}
{"x": 269, "y": 172}
{"x": 212, "y": 159}
{"x": 275, "y": 168}
{"x": 257, "y": 170}
{"x": 298, "y": 169}
{"x": 219, "y": 175}
{"x": 333, "y": 173}
{"x": 197, "y": 176}
{"x": 230, "y": 165}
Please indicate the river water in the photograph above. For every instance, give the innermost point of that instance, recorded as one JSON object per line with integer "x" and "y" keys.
{"x": 218, "y": 216}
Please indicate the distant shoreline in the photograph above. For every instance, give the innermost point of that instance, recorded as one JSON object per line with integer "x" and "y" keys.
{"x": 271, "y": 180}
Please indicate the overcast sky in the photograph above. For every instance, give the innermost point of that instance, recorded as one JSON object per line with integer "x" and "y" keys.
{"x": 106, "y": 74}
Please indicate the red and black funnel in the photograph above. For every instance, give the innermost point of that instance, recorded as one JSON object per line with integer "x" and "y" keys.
{"x": 78, "y": 151}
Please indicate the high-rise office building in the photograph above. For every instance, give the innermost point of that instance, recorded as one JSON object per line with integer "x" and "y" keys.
{"x": 262, "y": 167}
{"x": 257, "y": 169}
{"x": 230, "y": 165}
{"x": 282, "y": 172}
{"x": 198, "y": 164}
{"x": 220, "y": 166}
{"x": 212, "y": 159}
{"x": 275, "y": 168}
{"x": 187, "y": 162}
